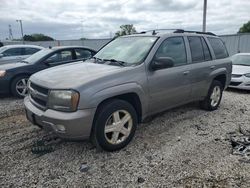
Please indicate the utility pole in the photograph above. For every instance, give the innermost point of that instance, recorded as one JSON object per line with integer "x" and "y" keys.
{"x": 21, "y": 26}
{"x": 10, "y": 33}
{"x": 204, "y": 16}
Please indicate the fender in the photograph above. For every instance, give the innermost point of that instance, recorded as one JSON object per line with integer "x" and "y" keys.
{"x": 114, "y": 91}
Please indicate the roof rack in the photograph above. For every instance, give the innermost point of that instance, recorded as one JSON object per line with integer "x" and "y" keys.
{"x": 154, "y": 31}
{"x": 197, "y": 32}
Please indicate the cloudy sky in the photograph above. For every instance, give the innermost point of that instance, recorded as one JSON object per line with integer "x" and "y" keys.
{"x": 73, "y": 19}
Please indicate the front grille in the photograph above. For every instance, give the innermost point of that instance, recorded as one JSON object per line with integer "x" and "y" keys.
{"x": 236, "y": 75}
{"x": 38, "y": 96}
{"x": 235, "y": 83}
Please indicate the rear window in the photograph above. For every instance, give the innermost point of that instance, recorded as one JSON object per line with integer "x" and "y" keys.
{"x": 219, "y": 48}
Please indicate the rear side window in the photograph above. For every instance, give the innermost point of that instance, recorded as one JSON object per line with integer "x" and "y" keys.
{"x": 13, "y": 52}
{"x": 219, "y": 48}
{"x": 29, "y": 51}
{"x": 196, "y": 49}
{"x": 206, "y": 51}
{"x": 173, "y": 47}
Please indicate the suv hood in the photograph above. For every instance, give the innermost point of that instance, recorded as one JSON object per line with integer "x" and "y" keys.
{"x": 73, "y": 75}
{"x": 240, "y": 69}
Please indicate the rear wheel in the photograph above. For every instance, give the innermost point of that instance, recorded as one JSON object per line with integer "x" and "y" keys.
{"x": 19, "y": 86}
{"x": 115, "y": 125}
{"x": 213, "y": 99}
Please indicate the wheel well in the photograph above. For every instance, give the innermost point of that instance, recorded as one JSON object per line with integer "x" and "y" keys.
{"x": 22, "y": 74}
{"x": 222, "y": 79}
{"x": 131, "y": 98}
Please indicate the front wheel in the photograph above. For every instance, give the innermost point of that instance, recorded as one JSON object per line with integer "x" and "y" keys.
{"x": 115, "y": 125}
{"x": 19, "y": 86}
{"x": 213, "y": 99}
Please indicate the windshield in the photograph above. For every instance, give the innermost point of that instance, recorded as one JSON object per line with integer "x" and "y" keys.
{"x": 37, "y": 56}
{"x": 3, "y": 49}
{"x": 241, "y": 60}
{"x": 131, "y": 50}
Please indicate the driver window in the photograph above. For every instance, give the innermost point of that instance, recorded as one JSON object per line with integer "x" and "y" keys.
{"x": 174, "y": 48}
{"x": 62, "y": 56}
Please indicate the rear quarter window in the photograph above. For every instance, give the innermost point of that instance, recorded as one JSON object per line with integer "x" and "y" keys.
{"x": 219, "y": 48}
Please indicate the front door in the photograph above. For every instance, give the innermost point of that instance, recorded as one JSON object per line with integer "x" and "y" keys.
{"x": 170, "y": 87}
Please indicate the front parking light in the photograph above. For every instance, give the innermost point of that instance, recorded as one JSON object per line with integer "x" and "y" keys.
{"x": 2, "y": 73}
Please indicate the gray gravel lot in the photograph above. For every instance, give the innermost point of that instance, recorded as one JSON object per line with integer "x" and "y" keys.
{"x": 183, "y": 147}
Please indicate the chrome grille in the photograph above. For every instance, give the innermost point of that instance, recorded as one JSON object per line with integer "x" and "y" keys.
{"x": 38, "y": 95}
{"x": 236, "y": 75}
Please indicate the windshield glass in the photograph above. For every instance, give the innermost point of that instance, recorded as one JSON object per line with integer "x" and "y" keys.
{"x": 3, "y": 49}
{"x": 131, "y": 50}
{"x": 37, "y": 56}
{"x": 241, "y": 60}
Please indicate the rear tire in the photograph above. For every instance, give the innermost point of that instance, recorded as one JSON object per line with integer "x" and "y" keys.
{"x": 19, "y": 86}
{"x": 115, "y": 125}
{"x": 213, "y": 98}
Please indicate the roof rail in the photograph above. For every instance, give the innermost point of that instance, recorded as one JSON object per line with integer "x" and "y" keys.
{"x": 197, "y": 32}
{"x": 154, "y": 31}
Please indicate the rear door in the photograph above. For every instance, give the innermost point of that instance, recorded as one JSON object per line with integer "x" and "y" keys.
{"x": 170, "y": 87}
{"x": 28, "y": 51}
{"x": 202, "y": 61}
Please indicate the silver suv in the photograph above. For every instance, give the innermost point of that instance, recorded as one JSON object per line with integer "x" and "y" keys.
{"x": 129, "y": 79}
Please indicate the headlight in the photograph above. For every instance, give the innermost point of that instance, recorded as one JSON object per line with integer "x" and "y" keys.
{"x": 2, "y": 73}
{"x": 63, "y": 100}
{"x": 247, "y": 75}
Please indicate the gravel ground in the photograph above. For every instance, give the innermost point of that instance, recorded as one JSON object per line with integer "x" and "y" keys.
{"x": 183, "y": 147}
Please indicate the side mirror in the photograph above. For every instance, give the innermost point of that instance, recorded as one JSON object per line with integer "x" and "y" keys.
{"x": 162, "y": 63}
{"x": 1, "y": 55}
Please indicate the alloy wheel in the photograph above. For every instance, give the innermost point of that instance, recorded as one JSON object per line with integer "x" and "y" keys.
{"x": 118, "y": 127}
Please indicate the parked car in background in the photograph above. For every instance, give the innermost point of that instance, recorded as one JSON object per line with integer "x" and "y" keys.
{"x": 241, "y": 71}
{"x": 129, "y": 79}
{"x": 15, "y": 53}
{"x": 14, "y": 76}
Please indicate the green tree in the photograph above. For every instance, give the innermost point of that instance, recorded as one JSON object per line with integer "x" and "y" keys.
{"x": 37, "y": 37}
{"x": 127, "y": 29}
{"x": 245, "y": 28}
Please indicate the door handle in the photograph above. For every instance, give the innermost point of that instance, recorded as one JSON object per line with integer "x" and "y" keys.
{"x": 186, "y": 72}
{"x": 212, "y": 67}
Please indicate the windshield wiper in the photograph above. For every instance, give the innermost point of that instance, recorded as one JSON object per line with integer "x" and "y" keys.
{"x": 121, "y": 63}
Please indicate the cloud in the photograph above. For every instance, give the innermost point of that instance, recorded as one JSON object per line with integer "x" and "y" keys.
{"x": 70, "y": 19}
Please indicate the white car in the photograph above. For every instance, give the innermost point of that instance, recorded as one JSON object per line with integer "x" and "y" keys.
{"x": 15, "y": 53}
{"x": 241, "y": 71}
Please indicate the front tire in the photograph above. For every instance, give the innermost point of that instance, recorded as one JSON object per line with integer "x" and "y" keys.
{"x": 213, "y": 99}
{"x": 115, "y": 125}
{"x": 19, "y": 86}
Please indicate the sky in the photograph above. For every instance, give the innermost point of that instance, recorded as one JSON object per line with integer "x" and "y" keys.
{"x": 74, "y": 19}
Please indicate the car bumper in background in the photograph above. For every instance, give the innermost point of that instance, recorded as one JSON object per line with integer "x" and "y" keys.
{"x": 242, "y": 82}
{"x": 4, "y": 86}
{"x": 75, "y": 125}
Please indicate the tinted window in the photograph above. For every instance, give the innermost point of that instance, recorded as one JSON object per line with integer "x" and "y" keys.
{"x": 219, "y": 48}
{"x": 29, "y": 51}
{"x": 82, "y": 53}
{"x": 206, "y": 51}
{"x": 62, "y": 56}
{"x": 13, "y": 52}
{"x": 174, "y": 48}
{"x": 196, "y": 49}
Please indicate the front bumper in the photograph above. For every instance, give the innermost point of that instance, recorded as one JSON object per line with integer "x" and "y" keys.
{"x": 4, "y": 85}
{"x": 77, "y": 125}
{"x": 242, "y": 82}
